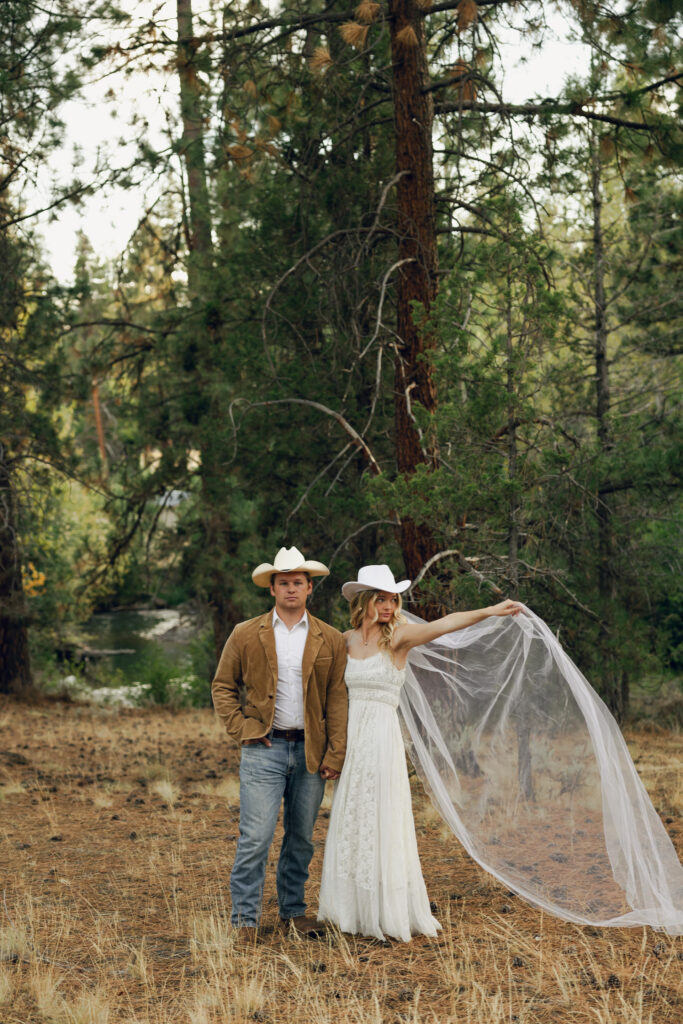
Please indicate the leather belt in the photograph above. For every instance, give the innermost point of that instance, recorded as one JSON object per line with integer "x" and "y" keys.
{"x": 291, "y": 735}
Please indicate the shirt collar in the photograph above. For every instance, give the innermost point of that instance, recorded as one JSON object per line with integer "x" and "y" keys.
{"x": 301, "y": 624}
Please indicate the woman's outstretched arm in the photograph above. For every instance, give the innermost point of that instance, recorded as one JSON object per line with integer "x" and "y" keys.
{"x": 411, "y": 635}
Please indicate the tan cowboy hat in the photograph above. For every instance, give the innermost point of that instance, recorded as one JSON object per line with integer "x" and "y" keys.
{"x": 287, "y": 560}
{"x": 374, "y": 577}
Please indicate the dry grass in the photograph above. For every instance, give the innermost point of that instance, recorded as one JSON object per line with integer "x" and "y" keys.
{"x": 117, "y": 833}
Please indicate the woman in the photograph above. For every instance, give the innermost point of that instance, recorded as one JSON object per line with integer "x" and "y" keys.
{"x": 372, "y": 882}
{"x": 518, "y": 754}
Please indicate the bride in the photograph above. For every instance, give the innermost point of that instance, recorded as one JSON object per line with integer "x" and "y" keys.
{"x": 371, "y": 881}
{"x": 518, "y": 754}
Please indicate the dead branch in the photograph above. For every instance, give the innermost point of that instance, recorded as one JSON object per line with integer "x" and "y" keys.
{"x": 557, "y": 578}
{"x": 318, "y": 476}
{"x": 365, "y": 526}
{"x": 541, "y": 109}
{"x": 380, "y": 305}
{"x": 464, "y": 565}
{"x": 343, "y": 423}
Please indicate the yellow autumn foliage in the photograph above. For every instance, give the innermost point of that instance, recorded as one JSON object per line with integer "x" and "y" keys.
{"x": 33, "y": 581}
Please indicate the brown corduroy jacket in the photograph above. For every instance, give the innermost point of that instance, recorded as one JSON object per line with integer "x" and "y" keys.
{"x": 249, "y": 658}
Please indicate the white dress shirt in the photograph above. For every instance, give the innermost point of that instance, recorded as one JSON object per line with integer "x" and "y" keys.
{"x": 289, "y": 647}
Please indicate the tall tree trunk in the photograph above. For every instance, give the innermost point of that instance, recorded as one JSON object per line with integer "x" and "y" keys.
{"x": 207, "y": 335}
{"x": 522, "y": 725}
{"x": 192, "y": 147}
{"x": 616, "y": 678}
{"x": 417, "y": 280}
{"x": 220, "y": 544}
{"x": 15, "y": 662}
{"x": 513, "y": 499}
{"x": 99, "y": 426}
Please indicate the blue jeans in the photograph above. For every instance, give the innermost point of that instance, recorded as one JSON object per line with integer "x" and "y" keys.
{"x": 267, "y": 776}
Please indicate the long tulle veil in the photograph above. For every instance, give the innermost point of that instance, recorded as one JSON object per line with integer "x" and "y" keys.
{"x": 530, "y": 771}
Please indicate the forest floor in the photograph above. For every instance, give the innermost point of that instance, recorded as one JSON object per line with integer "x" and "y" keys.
{"x": 117, "y": 834}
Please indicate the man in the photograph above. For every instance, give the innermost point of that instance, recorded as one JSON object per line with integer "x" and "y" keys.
{"x": 292, "y": 730}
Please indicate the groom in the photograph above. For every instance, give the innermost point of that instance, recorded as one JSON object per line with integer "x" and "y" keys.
{"x": 292, "y": 729}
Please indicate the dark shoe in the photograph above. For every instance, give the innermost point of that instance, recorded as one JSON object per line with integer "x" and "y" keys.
{"x": 306, "y": 927}
{"x": 246, "y": 935}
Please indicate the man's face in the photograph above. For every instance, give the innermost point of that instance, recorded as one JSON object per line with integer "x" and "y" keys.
{"x": 291, "y": 590}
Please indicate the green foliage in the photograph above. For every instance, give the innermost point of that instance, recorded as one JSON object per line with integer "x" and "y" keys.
{"x": 202, "y": 361}
{"x": 63, "y": 525}
{"x": 156, "y": 675}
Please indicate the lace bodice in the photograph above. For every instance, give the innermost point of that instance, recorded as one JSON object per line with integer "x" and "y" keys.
{"x": 374, "y": 678}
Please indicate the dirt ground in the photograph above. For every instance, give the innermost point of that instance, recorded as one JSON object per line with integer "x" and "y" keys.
{"x": 117, "y": 835}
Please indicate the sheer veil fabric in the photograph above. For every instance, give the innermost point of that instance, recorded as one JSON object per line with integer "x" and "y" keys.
{"x": 530, "y": 771}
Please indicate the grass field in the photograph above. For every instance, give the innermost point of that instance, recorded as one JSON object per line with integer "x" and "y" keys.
{"x": 117, "y": 834}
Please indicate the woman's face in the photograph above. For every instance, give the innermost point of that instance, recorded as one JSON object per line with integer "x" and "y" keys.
{"x": 385, "y": 605}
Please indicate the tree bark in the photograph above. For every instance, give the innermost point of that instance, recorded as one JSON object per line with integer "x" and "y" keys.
{"x": 99, "y": 426}
{"x": 218, "y": 540}
{"x": 15, "y": 661}
{"x": 192, "y": 146}
{"x": 600, "y": 320}
{"x": 616, "y": 678}
{"x": 513, "y": 500}
{"x": 417, "y": 279}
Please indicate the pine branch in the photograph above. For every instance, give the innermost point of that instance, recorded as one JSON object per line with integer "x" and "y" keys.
{"x": 291, "y": 24}
{"x": 296, "y": 24}
{"x": 537, "y": 109}
{"x": 452, "y": 5}
{"x": 675, "y": 77}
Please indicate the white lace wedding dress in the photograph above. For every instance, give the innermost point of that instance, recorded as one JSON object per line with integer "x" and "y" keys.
{"x": 372, "y": 881}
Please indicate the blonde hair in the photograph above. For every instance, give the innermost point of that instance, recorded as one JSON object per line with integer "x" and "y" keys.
{"x": 360, "y": 604}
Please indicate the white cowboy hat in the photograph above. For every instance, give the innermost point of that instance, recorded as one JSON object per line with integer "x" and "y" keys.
{"x": 287, "y": 560}
{"x": 374, "y": 577}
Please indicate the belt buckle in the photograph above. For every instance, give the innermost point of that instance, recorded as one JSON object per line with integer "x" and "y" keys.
{"x": 289, "y": 735}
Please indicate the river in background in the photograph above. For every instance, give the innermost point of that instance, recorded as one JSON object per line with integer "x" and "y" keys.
{"x": 137, "y": 636}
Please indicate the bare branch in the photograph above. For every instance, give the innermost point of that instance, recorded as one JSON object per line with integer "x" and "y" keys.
{"x": 452, "y": 5}
{"x": 540, "y": 109}
{"x": 556, "y": 577}
{"x": 365, "y": 526}
{"x": 541, "y": 420}
{"x": 291, "y": 270}
{"x": 380, "y": 305}
{"x": 464, "y": 565}
{"x": 291, "y": 24}
{"x": 380, "y": 206}
{"x": 113, "y": 322}
{"x": 318, "y": 476}
{"x": 344, "y": 423}
{"x": 675, "y": 77}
